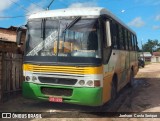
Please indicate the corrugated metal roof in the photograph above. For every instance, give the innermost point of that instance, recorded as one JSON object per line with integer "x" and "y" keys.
{"x": 145, "y": 54}
{"x": 156, "y": 53}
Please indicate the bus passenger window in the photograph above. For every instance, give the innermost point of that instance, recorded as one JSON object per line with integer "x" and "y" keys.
{"x": 126, "y": 39}
{"x": 136, "y": 43}
{"x": 129, "y": 40}
{"x": 133, "y": 42}
{"x": 121, "y": 39}
{"x": 114, "y": 30}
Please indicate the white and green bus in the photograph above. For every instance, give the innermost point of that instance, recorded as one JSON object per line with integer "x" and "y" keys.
{"x": 77, "y": 55}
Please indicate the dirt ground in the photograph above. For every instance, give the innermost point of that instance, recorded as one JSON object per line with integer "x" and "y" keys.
{"x": 143, "y": 97}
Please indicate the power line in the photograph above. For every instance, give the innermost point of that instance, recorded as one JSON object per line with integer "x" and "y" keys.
{"x": 49, "y": 4}
{"x": 35, "y": 4}
{"x": 19, "y": 5}
{"x": 20, "y": 16}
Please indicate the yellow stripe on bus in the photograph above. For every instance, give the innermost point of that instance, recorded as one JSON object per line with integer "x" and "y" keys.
{"x": 63, "y": 69}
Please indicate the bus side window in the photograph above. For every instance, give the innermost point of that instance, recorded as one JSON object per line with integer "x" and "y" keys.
{"x": 136, "y": 43}
{"x": 129, "y": 40}
{"x": 114, "y": 34}
{"x": 133, "y": 42}
{"x": 126, "y": 39}
{"x": 124, "y": 42}
{"x": 132, "y": 47}
{"x": 121, "y": 39}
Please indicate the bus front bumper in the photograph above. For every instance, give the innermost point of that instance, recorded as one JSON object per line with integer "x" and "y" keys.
{"x": 80, "y": 95}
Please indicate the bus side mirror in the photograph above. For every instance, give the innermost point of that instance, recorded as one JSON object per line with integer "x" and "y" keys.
{"x": 19, "y": 37}
{"x": 107, "y": 47}
{"x": 108, "y": 34}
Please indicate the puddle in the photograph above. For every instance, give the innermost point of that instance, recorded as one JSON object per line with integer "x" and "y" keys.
{"x": 140, "y": 83}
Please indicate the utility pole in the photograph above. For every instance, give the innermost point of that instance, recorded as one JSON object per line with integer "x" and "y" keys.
{"x": 142, "y": 50}
{"x": 49, "y": 5}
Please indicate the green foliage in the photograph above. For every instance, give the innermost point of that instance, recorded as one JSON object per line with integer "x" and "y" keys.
{"x": 151, "y": 45}
{"x": 158, "y": 50}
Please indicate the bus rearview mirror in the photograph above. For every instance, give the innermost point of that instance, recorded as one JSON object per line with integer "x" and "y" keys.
{"x": 108, "y": 34}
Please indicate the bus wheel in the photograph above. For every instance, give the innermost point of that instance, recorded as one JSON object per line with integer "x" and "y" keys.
{"x": 131, "y": 81}
{"x": 113, "y": 90}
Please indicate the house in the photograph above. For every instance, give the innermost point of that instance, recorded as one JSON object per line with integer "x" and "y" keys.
{"x": 155, "y": 57}
{"x": 8, "y": 40}
{"x": 146, "y": 56}
{"x": 10, "y": 62}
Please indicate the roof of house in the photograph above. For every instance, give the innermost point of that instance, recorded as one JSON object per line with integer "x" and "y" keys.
{"x": 156, "y": 53}
{"x": 8, "y": 37}
{"x": 145, "y": 54}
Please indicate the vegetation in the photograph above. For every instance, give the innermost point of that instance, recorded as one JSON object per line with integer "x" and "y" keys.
{"x": 151, "y": 46}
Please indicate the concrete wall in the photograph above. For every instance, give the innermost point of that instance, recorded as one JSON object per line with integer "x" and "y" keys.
{"x": 155, "y": 59}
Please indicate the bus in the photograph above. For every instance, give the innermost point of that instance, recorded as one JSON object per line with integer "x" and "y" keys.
{"x": 81, "y": 56}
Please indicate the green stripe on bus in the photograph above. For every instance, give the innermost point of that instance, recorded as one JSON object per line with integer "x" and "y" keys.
{"x": 81, "y": 95}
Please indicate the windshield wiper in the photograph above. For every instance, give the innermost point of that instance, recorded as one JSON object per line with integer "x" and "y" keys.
{"x": 72, "y": 23}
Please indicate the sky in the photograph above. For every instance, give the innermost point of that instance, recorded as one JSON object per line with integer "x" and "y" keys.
{"x": 142, "y": 16}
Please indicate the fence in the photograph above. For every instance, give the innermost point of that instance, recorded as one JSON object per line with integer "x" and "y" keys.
{"x": 11, "y": 75}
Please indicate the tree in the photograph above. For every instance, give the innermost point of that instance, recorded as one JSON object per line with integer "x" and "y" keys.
{"x": 151, "y": 45}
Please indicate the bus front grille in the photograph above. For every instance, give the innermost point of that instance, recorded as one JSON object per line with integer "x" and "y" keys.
{"x": 52, "y": 80}
{"x": 62, "y": 69}
{"x": 56, "y": 91}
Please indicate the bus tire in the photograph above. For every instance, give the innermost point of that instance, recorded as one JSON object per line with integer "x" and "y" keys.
{"x": 114, "y": 90}
{"x": 131, "y": 81}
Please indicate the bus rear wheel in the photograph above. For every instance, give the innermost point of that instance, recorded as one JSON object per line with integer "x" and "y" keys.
{"x": 131, "y": 81}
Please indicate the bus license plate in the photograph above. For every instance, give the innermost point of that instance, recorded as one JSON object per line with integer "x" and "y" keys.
{"x": 55, "y": 99}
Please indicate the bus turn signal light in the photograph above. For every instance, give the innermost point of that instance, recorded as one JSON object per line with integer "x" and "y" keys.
{"x": 97, "y": 83}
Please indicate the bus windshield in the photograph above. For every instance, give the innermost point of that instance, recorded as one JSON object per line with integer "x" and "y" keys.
{"x": 50, "y": 37}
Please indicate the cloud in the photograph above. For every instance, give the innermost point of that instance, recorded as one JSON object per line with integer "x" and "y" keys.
{"x": 5, "y": 4}
{"x": 156, "y": 27}
{"x": 84, "y": 4}
{"x": 137, "y": 22}
{"x": 157, "y": 18}
{"x": 33, "y": 8}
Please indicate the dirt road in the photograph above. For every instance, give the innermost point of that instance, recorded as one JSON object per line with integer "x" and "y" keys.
{"x": 143, "y": 97}
{"x": 146, "y": 95}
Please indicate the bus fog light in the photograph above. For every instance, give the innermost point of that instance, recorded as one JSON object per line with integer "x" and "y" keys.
{"x": 81, "y": 82}
{"x": 90, "y": 83}
{"x": 97, "y": 83}
{"x": 28, "y": 78}
{"x": 34, "y": 78}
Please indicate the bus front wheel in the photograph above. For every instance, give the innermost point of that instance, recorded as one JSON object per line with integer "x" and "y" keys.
{"x": 114, "y": 90}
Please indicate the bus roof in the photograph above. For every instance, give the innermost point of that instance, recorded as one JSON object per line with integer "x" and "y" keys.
{"x": 90, "y": 11}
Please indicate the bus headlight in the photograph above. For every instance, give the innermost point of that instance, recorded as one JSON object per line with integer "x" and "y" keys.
{"x": 90, "y": 83}
{"x": 81, "y": 82}
{"x": 28, "y": 78}
{"x": 34, "y": 78}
